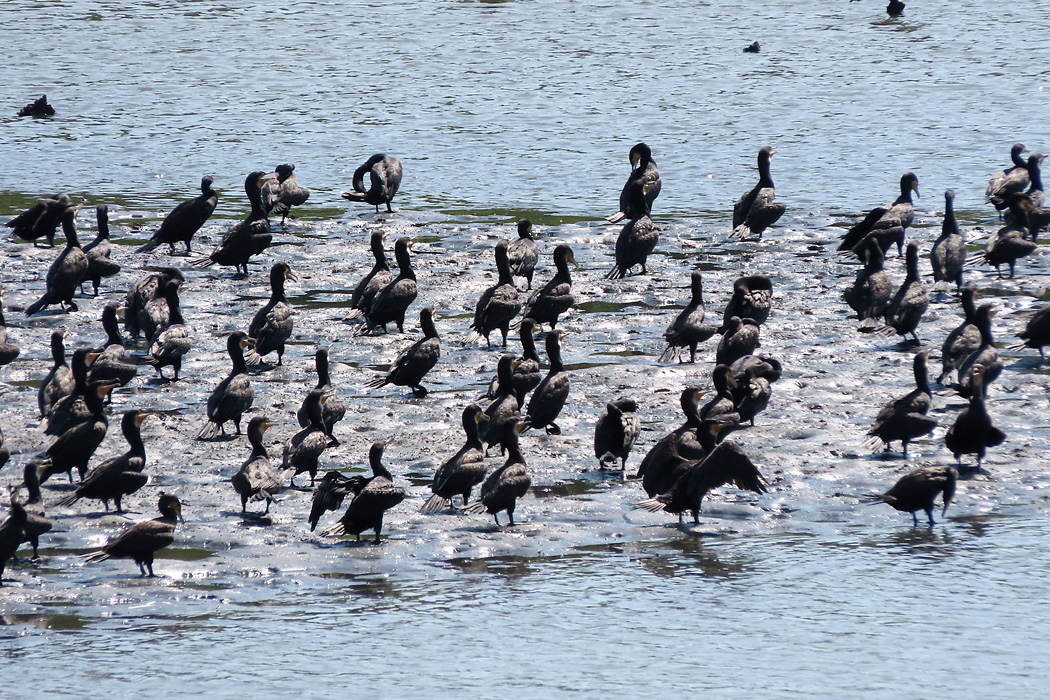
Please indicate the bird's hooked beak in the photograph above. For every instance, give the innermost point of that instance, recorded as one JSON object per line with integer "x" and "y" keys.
{"x": 263, "y": 179}
{"x": 289, "y": 276}
{"x": 141, "y": 418}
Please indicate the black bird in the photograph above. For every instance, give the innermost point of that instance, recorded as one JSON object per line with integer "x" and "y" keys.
{"x": 973, "y": 432}
{"x": 98, "y": 251}
{"x": 549, "y": 397}
{"x": 171, "y": 344}
{"x": 554, "y": 298}
{"x": 8, "y": 350}
{"x": 37, "y": 108}
{"x": 272, "y": 325}
{"x": 680, "y": 449}
{"x": 1039, "y": 214}
{"x": 722, "y": 408}
{"x": 527, "y": 374}
{"x": 391, "y": 302}
{"x": 71, "y": 409}
{"x": 464, "y": 470}
{"x": 964, "y": 338}
{"x": 75, "y": 446}
{"x": 615, "y": 432}
{"x": 384, "y": 173}
{"x": 41, "y": 220}
{"x": 753, "y": 47}
{"x": 504, "y": 407}
{"x": 739, "y": 339}
{"x": 984, "y": 355}
{"x": 643, "y": 169}
{"x": 233, "y": 396}
{"x": 58, "y": 382}
{"x": 12, "y": 532}
{"x": 142, "y": 540}
{"x": 752, "y": 298}
{"x": 333, "y": 409}
{"x": 257, "y": 480}
{"x": 753, "y": 385}
{"x": 638, "y": 236}
{"x": 1010, "y": 243}
{"x": 917, "y": 490}
{"x": 911, "y": 300}
{"x": 904, "y": 418}
{"x": 756, "y": 211}
{"x": 870, "y": 294}
{"x": 185, "y": 219}
{"x": 119, "y": 476}
{"x": 110, "y": 364}
{"x": 1009, "y": 181}
{"x": 523, "y": 252}
{"x": 36, "y": 518}
{"x": 413, "y": 363}
{"x": 279, "y": 195}
{"x": 329, "y": 494}
{"x": 144, "y": 291}
{"x": 895, "y": 8}
{"x": 506, "y": 485}
{"x": 375, "y": 497}
{"x": 66, "y": 272}
{"x": 688, "y": 328}
{"x": 371, "y": 284}
{"x": 249, "y": 237}
{"x": 949, "y": 251}
{"x": 305, "y": 448}
{"x": 886, "y": 224}
{"x": 1036, "y": 333}
{"x": 498, "y": 305}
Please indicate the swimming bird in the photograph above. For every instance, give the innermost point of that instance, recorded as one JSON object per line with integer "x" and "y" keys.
{"x": 41, "y": 220}
{"x": 233, "y": 396}
{"x": 643, "y": 169}
{"x": 333, "y": 409}
{"x": 503, "y": 487}
{"x": 548, "y": 399}
{"x": 247, "y": 238}
{"x": 688, "y": 328}
{"x": 895, "y": 8}
{"x": 675, "y": 452}
{"x": 330, "y": 492}
{"x": 1010, "y": 243}
{"x": 984, "y": 355}
{"x": 413, "y": 363}
{"x": 37, "y": 108}
{"x": 118, "y": 476}
{"x": 257, "y": 479}
{"x": 12, "y": 532}
{"x": 111, "y": 363}
{"x": 76, "y": 445}
{"x": 370, "y": 285}
{"x": 886, "y": 224}
{"x": 384, "y": 174}
{"x": 71, "y": 408}
{"x": 36, "y": 518}
{"x": 1036, "y": 333}
{"x": 870, "y": 294}
{"x": 375, "y": 498}
{"x": 904, "y": 418}
{"x": 739, "y": 339}
{"x": 66, "y": 272}
{"x": 523, "y": 253}
{"x": 144, "y": 291}
{"x": 58, "y": 382}
{"x": 554, "y": 298}
{"x": 305, "y": 448}
{"x": 272, "y": 325}
{"x": 973, "y": 432}
{"x": 8, "y": 350}
{"x": 963, "y": 339}
{"x": 391, "y": 302}
{"x": 910, "y": 301}
{"x": 918, "y": 489}
{"x": 949, "y": 251}
{"x": 1008, "y": 181}
{"x": 752, "y": 298}
{"x": 464, "y": 470}
{"x": 638, "y": 236}
{"x": 142, "y": 540}
{"x": 498, "y": 305}
{"x": 172, "y": 343}
{"x": 756, "y": 211}
{"x": 279, "y": 195}
{"x": 504, "y": 407}
{"x": 615, "y": 432}
{"x": 185, "y": 220}
{"x": 98, "y": 253}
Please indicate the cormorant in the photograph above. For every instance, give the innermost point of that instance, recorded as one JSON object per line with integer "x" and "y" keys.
{"x": 739, "y": 339}
{"x": 523, "y": 252}
{"x": 12, "y": 532}
{"x": 391, "y": 302}
{"x": 257, "y": 480}
{"x": 752, "y": 298}
{"x": 679, "y": 449}
{"x": 413, "y": 363}
{"x": 504, "y": 407}
{"x": 911, "y": 300}
{"x": 185, "y": 219}
{"x": 527, "y": 374}
{"x": 1008, "y": 181}
{"x": 464, "y": 470}
{"x": 119, "y": 476}
{"x": 36, "y": 518}
{"x": 721, "y": 408}
{"x": 949, "y": 251}
{"x": 985, "y": 355}
{"x": 886, "y": 224}
{"x": 371, "y": 284}
{"x": 37, "y": 108}
{"x": 1036, "y": 333}
{"x": 41, "y": 220}
{"x": 688, "y": 328}
{"x": 97, "y": 251}
{"x": 333, "y": 409}
{"x": 638, "y": 236}
{"x": 279, "y": 195}
{"x": 615, "y": 432}
{"x": 143, "y": 539}
{"x": 305, "y": 448}
{"x": 870, "y": 294}
{"x": 66, "y": 272}
{"x": 554, "y": 298}
{"x": 973, "y": 432}
{"x": 75, "y": 446}
{"x": 375, "y": 497}
{"x": 917, "y": 490}
{"x": 756, "y": 211}
{"x": 1010, "y": 243}
{"x": 643, "y": 169}
{"x": 904, "y": 418}
{"x": 506, "y": 485}
{"x": 249, "y": 237}
{"x": 110, "y": 364}
{"x": 58, "y": 382}
{"x": 384, "y": 173}
{"x": 71, "y": 409}
{"x": 964, "y": 338}
{"x": 272, "y": 325}
{"x": 549, "y": 397}
{"x": 498, "y": 305}
{"x": 8, "y": 350}
{"x": 172, "y": 343}
{"x": 329, "y": 494}
{"x": 144, "y": 291}
{"x": 233, "y": 396}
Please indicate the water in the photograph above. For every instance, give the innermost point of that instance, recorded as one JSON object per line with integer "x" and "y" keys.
{"x": 501, "y": 110}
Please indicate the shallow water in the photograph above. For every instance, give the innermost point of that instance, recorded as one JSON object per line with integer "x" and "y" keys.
{"x": 501, "y": 110}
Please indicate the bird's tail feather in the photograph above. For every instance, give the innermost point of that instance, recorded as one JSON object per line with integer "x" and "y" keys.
{"x": 434, "y": 504}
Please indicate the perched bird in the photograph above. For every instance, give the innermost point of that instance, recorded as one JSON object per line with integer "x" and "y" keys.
{"x": 58, "y": 383}
{"x": 886, "y": 224}
{"x": 413, "y": 363}
{"x": 554, "y": 298}
{"x": 615, "y": 432}
{"x": 272, "y": 325}
{"x": 72, "y": 408}
{"x": 904, "y": 418}
{"x": 333, "y": 409}
{"x": 752, "y": 298}
{"x": 184, "y": 220}
{"x": 949, "y": 251}
{"x": 257, "y": 480}
{"x": 506, "y": 485}
{"x": 8, "y": 350}
{"x": 12, "y": 532}
{"x": 75, "y": 445}
{"x": 504, "y": 407}
{"x": 643, "y": 169}
{"x": 279, "y": 195}
{"x": 527, "y": 374}
{"x": 756, "y": 211}
{"x": 1008, "y": 181}
{"x": 549, "y": 397}
{"x": 119, "y": 476}
{"x": 391, "y": 302}
{"x": 910, "y": 301}
{"x": 688, "y": 328}
{"x": 722, "y": 408}
{"x": 36, "y": 518}
{"x": 142, "y": 540}
{"x": 233, "y": 396}
{"x": 984, "y": 355}
{"x": 638, "y": 236}
{"x": 973, "y": 432}
{"x": 249, "y": 237}
{"x": 171, "y": 344}
{"x": 498, "y": 305}
{"x": 870, "y": 294}
{"x": 111, "y": 364}
{"x": 66, "y": 272}
{"x": 330, "y": 492}
{"x": 739, "y": 339}
{"x": 305, "y": 448}
{"x": 144, "y": 291}
{"x": 371, "y": 284}
{"x": 41, "y": 220}
{"x": 464, "y": 470}
{"x": 98, "y": 251}
{"x": 523, "y": 253}
{"x": 1036, "y": 333}
{"x": 917, "y": 490}
{"x": 680, "y": 449}
{"x": 384, "y": 174}
{"x": 964, "y": 338}
{"x": 1010, "y": 243}
{"x": 377, "y": 495}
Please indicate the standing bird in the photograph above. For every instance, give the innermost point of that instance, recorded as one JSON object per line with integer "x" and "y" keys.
{"x": 638, "y": 236}
{"x": 36, "y": 518}
{"x": 722, "y": 408}
{"x": 964, "y": 338}
{"x": 305, "y": 448}
{"x": 333, "y": 409}
{"x": 142, "y": 540}
{"x": 756, "y": 211}
{"x": 76, "y": 445}
{"x": 144, "y": 291}
{"x": 498, "y": 305}
{"x": 171, "y": 344}
{"x": 464, "y": 470}
{"x": 119, "y": 476}
{"x": 1010, "y": 243}
{"x": 554, "y": 298}
{"x": 1008, "y": 181}
{"x": 643, "y": 169}
{"x": 99, "y": 263}
{"x": 523, "y": 253}
{"x": 384, "y": 174}
{"x": 688, "y": 328}
{"x": 371, "y": 284}
{"x": 233, "y": 396}
{"x": 526, "y": 365}
{"x": 110, "y": 365}
{"x": 58, "y": 383}
{"x": 614, "y": 434}
{"x": 249, "y": 237}
{"x": 66, "y": 272}
{"x": 12, "y": 532}
{"x": 413, "y": 363}
{"x": 257, "y": 480}
{"x": 753, "y": 386}
{"x": 41, "y": 220}
{"x": 917, "y": 490}
{"x": 549, "y": 397}
{"x": 376, "y": 497}
{"x": 1036, "y": 333}
{"x": 752, "y": 298}
{"x": 949, "y": 251}
{"x": 739, "y": 340}
{"x": 984, "y": 355}
{"x": 870, "y": 294}
{"x": 329, "y": 494}
{"x": 1039, "y": 214}
{"x": 911, "y": 300}
{"x": 675, "y": 452}
{"x": 279, "y": 195}
{"x": 184, "y": 220}
{"x": 506, "y": 485}
{"x": 973, "y": 432}
{"x": 886, "y": 224}
{"x": 391, "y": 302}
{"x": 8, "y": 350}
{"x": 904, "y": 418}
{"x": 72, "y": 408}
{"x": 504, "y": 407}
{"x": 272, "y": 325}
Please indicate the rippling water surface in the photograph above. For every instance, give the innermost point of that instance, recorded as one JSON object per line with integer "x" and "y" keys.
{"x": 502, "y": 110}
